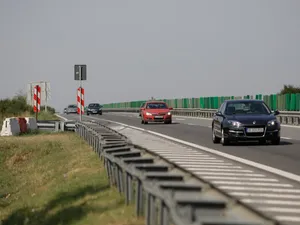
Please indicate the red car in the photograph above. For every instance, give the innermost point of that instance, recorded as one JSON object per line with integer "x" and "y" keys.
{"x": 156, "y": 111}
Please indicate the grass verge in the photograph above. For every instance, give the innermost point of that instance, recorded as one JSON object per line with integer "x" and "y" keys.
{"x": 57, "y": 179}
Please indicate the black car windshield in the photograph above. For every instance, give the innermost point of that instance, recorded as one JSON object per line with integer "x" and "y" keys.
{"x": 246, "y": 108}
{"x": 94, "y": 105}
{"x": 156, "y": 106}
{"x": 72, "y": 106}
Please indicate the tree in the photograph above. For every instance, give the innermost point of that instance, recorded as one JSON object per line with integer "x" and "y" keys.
{"x": 289, "y": 89}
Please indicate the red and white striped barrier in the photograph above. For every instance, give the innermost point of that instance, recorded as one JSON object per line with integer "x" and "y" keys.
{"x": 37, "y": 99}
{"x": 80, "y": 100}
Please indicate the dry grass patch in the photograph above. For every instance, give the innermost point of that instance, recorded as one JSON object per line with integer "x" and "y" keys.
{"x": 57, "y": 179}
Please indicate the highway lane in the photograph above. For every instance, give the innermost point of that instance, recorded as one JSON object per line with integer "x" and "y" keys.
{"x": 285, "y": 156}
{"x": 288, "y": 132}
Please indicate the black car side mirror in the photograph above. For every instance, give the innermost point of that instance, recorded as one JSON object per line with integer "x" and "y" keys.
{"x": 276, "y": 112}
{"x": 219, "y": 113}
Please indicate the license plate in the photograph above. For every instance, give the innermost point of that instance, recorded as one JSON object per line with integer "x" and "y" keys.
{"x": 255, "y": 130}
{"x": 158, "y": 117}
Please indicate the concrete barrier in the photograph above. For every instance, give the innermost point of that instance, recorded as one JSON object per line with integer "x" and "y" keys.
{"x": 10, "y": 127}
{"x": 31, "y": 123}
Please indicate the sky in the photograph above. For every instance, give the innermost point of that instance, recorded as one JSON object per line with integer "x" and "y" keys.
{"x": 136, "y": 49}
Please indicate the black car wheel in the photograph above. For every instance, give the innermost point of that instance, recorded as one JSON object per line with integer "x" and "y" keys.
{"x": 276, "y": 141}
{"x": 262, "y": 141}
{"x": 224, "y": 140}
{"x": 215, "y": 139}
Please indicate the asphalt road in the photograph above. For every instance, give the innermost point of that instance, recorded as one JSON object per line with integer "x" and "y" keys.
{"x": 285, "y": 156}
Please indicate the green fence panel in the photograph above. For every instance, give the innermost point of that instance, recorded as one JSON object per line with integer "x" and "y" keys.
{"x": 216, "y": 102}
{"x": 176, "y": 103}
{"x": 202, "y": 102}
{"x": 185, "y": 103}
{"x": 293, "y": 102}
{"x": 287, "y": 102}
{"x": 298, "y": 102}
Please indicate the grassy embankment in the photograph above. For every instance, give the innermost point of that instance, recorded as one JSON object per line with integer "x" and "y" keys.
{"x": 17, "y": 107}
{"x": 57, "y": 179}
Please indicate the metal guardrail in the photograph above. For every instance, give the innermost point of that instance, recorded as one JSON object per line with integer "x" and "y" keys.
{"x": 285, "y": 117}
{"x": 56, "y": 125}
{"x": 162, "y": 193}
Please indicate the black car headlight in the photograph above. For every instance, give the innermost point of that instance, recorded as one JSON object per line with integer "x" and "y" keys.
{"x": 234, "y": 123}
{"x": 273, "y": 123}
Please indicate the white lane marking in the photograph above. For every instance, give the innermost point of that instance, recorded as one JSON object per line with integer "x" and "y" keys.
{"x": 191, "y": 117}
{"x": 213, "y": 151}
{"x": 179, "y": 119}
{"x": 279, "y": 210}
{"x": 195, "y": 160}
{"x": 195, "y": 170}
{"x": 187, "y": 157}
{"x": 178, "y": 152}
{"x": 286, "y": 138}
{"x": 203, "y": 118}
{"x": 195, "y": 163}
{"x": 252, "y": 184}
{"x": 231, "y": 174}
{"x": 202, "y": 160}
{"x": 240, "y": 178}
{"x": 290, "y": 126}
{"x": 192, "y": 124}
{"x": 288, "y": 218}
{"x": 270, "y": 202}
{"x": 275, "y": 190}
{"x": 206, "y": 166}
{"x": 262, "y": 195}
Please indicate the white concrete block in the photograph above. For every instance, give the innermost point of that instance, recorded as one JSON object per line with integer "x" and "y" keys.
{"x": 10, "y": 127}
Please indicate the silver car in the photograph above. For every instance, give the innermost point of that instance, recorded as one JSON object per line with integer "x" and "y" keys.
{"x": 71, "y": 109}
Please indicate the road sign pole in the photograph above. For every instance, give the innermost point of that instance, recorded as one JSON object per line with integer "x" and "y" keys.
{"x": 80, "y": 74}
{"x": 80, "y": 88}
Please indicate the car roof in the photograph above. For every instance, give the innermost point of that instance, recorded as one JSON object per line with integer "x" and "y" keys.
{"x": 243, "y": 100}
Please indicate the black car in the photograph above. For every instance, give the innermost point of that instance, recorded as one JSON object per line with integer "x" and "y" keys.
{"x": 94, "y": 108}
{"x": 244, "y": 120}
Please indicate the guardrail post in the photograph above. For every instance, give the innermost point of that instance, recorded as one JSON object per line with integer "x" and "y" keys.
{"x": 56, "y": 128}
{"x": 120, "y": 176}
{"x": 164, "y": 214}
{"x": 62, "y": 126}
{"x": 106, "y": 165}
{"x": 153, "y": 212}
{"x": 139, "y": 198}
{"x": 128, "y": 188}
{"x": 148, "y": 209}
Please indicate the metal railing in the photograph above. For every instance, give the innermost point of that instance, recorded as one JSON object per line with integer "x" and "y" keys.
{"x": 56, "y": 125}
{"x": 163, "y": 194}
{"x": 285, "y": 117}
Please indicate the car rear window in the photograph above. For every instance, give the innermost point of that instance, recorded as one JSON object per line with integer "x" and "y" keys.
{"x": 156, "y": 106}
{"x": 72, "y": 106}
